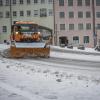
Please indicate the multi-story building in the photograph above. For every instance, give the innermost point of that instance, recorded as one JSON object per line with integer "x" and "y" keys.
{"x": 78, "y": 21}
{"x": 39, "y": 11}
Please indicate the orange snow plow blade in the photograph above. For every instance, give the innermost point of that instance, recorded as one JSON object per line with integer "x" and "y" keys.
{"x": 29, "y": 52}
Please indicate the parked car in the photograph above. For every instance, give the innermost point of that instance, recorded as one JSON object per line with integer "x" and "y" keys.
{"x": 62, "y": 45}
{"x": 70, "y": 46}
{"x": 97, "y": 48}
{"x": 81, "y": 47}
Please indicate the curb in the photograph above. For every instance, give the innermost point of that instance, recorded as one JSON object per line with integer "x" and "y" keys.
{"x": 75, "y": 52}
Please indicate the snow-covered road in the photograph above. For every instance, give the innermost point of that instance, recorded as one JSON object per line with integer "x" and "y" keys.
{"x": 41, "y": 79}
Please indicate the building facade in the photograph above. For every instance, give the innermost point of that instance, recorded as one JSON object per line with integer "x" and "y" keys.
{"x": 78, "y": 21}
{"x": 38, "y": 11}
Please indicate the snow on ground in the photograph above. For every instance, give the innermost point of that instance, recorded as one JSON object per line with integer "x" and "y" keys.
{"x": 76, "y": 56}
{"x": 26, "y": 80}
{"x": 92, "y": 50}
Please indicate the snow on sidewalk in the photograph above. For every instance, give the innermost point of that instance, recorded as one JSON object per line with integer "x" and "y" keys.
{"x": 75, "y": 56}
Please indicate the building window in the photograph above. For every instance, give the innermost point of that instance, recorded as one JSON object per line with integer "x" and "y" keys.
{"x": 62, "y": 26}
{"x": 88, "y": 14}
{"x": 71, "y": 14}
{"x": 98, "y": 26}
{"x": 28, "y": 2}
{"x": 86, "y": 39}
{"x": 50, "y": 1}
{"x": 43, "y": 12}
{"x": 75, "y": 39}
{"x": 87, "y": 2}
{"x": 98, "y": 14}
{"x": 79, "y": 2}
{"x": 4, "y": 29}
{"x": 42, "y": 1}
{"x": 1, "y": 2}
{"x": 7, "y": 14}
{"x": 61, "y": 2}
{"x": 71, "y": 26}
{"x": 70, "y": 2}
{"x": 28, "y": 13}
{"x": 97, "y": 2}
{"x": 80, "y": 26}
{"x": 21, "y": 13}
{"x": 80, "y": 14}
{"x": 1, "y": 14}
{"x": 14, "y": 2}
{"x": 62, "y": 15}
{"x": 7, "y": 2}
{"x": 21, "y": 1}
{"x": 50, "y": 11}
{"x": 88, "y": 26}
{"x": 35, "y": 13}
{"x": 35, "y": 1}
{"x": 14, "y": 13}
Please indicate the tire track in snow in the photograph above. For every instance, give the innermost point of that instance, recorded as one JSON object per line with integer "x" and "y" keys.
{"x": 47, "y": 64}
{"x": 19, "y": 92}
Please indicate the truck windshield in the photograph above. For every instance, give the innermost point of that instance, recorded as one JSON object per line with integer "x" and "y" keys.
{"x": 27, "y": 28}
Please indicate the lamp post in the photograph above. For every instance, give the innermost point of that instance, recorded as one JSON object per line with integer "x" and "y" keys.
{"x": 95, "y": 36}
{"x": 94, "y": 28}
{"x": 55, "y": 27}
{"x": 10, "y": 14}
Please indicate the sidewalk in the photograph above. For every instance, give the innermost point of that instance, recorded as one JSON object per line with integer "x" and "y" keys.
{"x": 87, "y": 51}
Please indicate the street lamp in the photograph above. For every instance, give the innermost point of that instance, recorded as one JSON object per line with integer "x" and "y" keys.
{"x": 55, "y": 27}
{"x": 95, "y": 37}
{"x": 10, "y": 14}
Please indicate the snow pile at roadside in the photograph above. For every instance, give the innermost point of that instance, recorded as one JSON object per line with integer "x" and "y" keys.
{"x": 4, "y": 46}
{"x": 80, "y": 57}
{"x": 90, "y": 50}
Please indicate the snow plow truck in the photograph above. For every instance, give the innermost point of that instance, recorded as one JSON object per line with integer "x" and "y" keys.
{"x": 27, "y": 41}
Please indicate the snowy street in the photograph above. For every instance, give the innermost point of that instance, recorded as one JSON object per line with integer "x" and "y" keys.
{"x": 62, "y": 76}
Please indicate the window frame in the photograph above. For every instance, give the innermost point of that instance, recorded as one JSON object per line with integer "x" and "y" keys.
{"x": 80, "y": 26}
{"x": 35, "y": 1}
{"x": 1, "y": 2}
{"x": 97, "y": 14}
{"x": 86, "y": 39}
{"x": 14, "y": 13}
{"x": 88, "y": 14}
{"x": 70, "y": 2}
{"x": 79, "y": 2}
{"x": 87, "y": 2}
{"x": 71, "y": 27}
{"x": 80, "y": 14}
{"x": 36, "y": 13}
{"x": 76, "y": 39}
{"x": 62, "y": 27}
{"x": 7, "y": 14}
{"x": 88, "y": 26}
{"x": 4, "y": 29}
{"x": 61, "y": 2}
{"x": 1, "y": 14}
{"x": 14, "y": 2}
{"x": 97, "y": 2}
{"x": 21, "y": 13}
{"x": 71, "y": 14}
{"x": 62, "y": 14}
{"x": 28, "y": 2}
{"x": 43, "y": 12}
{"x": 28, "y": 13}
